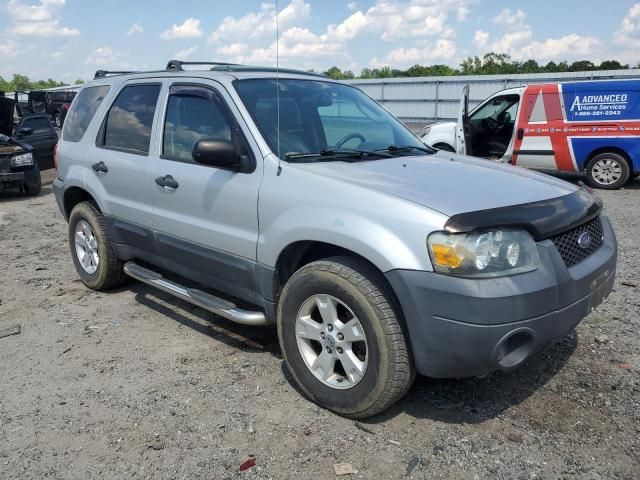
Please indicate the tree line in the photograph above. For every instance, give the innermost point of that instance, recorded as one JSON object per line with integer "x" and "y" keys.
{"x": 22, "y": 83}
{"x": 490, "y": 64}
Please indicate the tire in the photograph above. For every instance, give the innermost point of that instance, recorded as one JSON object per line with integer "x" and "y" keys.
{"x": 608, "y": 171}
{"x": 57, "y": 119}
{"x": 33, "y": 186}
{"x": 358, "y": 290}
{"x": 108, "y": 271}
{"x": 444, "y": 147}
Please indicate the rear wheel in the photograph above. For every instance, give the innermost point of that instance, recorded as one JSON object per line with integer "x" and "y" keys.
{"x": 608, "y": 170}
{"x": 92, "y": 252}
{"x": 342, "y": 338}
{"x": 57, "y": 119}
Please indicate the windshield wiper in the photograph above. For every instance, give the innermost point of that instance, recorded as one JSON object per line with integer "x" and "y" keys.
{"x": 331, "y": 152}
{"x": 404, "y": 148}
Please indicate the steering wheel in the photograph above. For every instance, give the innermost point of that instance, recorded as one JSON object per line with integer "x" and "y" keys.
{"x": 348, "y": 137}
{"x": 493, "y": 124}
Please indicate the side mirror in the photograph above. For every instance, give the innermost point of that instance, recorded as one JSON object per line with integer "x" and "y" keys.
{"x": 219, "y": 153}
{"x": 24, "y": 131}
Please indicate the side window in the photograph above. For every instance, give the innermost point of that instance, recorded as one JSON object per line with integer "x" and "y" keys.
{"x": 38, "y": 124}
{"x": 193, "y": 114}
{"x": 80, "y": 116}
{"x": 128, "y": 123}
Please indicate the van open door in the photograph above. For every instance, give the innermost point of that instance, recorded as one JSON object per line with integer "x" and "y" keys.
{"x": 6, "y": 116}
{"x": 463, "y": 146}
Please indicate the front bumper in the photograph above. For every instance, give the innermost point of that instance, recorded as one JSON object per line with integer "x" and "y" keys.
{"x": 460, "y": 327}
{"x": 11, "y": 176}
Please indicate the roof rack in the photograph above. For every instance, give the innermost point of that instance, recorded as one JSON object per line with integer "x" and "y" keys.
{"x": 107, "y": 73}
{"x": 176, "y": 65}
{"x": 251, "y": 68}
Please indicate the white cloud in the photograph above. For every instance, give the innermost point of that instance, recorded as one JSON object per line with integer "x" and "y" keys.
{"x": 351, "y": 6}
{"x": 510, "y": 19}
{"x": 442, "y": 50}
{"x": 185, "y": 54}
{"x": 628, "y": 34}
{"x": 8, "y": 49}
{"x": 103, "y": 57}
{"x": 135, "y": 28}
{"x": 480, "y": 39}
{"x": 41, "y": 20}
{"x": 257, "y": 25}
{"x": 233, "y": 49}
{"x": 190, "y": 28}
{"x": 463, "y": 13}
{"x": 395, "y": 19}
{"x": 518, "y": 41}
{"x": 568, "y": 46}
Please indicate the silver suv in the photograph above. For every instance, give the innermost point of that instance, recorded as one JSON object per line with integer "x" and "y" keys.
{"x": 300, "y": 197}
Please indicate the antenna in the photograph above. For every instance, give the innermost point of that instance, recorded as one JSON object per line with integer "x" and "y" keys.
{"x": 278, "y": 90}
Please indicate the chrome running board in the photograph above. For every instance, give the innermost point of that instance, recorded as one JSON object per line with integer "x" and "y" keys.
{"x": 209, "y": 302}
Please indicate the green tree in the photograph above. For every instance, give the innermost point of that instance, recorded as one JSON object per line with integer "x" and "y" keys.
{"x": 81, "y": 82}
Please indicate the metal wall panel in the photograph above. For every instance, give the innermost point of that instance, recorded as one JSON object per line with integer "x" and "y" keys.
{"x": 428, "y": 99}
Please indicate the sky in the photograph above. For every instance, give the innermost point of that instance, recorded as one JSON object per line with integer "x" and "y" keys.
{"x": 70, "y": 39}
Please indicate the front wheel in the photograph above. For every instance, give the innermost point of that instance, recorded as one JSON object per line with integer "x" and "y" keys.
{"x": 92, "y": 252}
{"x": 342, "y": 337}
{"x": 608, "y": 171}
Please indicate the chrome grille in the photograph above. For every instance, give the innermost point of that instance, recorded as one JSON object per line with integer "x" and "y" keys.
{"x": 568, "y": 244}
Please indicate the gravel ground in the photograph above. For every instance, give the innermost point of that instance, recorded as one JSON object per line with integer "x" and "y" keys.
{"x": 136, "y": 384}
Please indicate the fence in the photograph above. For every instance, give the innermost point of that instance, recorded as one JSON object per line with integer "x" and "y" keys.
{"x": 433, "y": 99}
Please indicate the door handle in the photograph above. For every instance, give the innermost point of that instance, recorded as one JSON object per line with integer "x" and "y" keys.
{"x": 100, "y": 167}
{"x": 167, "y": 182}
{"x": 520, "y": 133}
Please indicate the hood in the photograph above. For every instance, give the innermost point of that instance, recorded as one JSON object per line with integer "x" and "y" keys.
{"x": 447, "y": 182}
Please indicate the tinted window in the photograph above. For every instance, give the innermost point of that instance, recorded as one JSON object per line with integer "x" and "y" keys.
{"x": 193, "y": 114}
{"x": 38, "y": 125}
{"x": 129, "y": 121}
{"x": 79, "y": 117}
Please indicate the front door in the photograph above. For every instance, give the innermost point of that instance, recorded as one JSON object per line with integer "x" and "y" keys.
{"x": 205, "y": 218}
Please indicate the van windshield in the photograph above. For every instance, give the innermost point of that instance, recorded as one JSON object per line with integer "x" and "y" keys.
{"x": 319, "y": 116}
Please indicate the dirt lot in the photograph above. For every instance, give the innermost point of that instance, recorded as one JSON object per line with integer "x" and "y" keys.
{"x": 136, "y": 384}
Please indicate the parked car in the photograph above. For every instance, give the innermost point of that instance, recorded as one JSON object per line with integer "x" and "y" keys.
{"x": 38, "y": 132}
{"x": 18, "y": 169}
{"x": 55, "y": 104}
{"x": 586, "y": 127}
{"x": 375, "y": 256}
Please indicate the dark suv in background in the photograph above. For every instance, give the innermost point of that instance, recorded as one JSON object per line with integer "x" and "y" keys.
{"x": 55, "y": 104}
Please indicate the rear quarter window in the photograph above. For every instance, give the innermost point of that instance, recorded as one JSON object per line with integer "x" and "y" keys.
{"x": 80, "y": 116}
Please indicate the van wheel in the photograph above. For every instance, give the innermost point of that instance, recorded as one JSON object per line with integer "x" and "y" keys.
{"x": 342, "y": 337}
{"x": 57, "y": 120}
{"x": 92, "y": 252}
{"x": 607, "y": 170}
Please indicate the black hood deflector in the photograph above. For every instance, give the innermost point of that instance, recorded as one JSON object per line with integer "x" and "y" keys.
{"x": 541, "y": 219}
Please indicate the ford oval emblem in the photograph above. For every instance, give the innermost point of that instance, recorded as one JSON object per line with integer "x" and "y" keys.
{"x": 584, "y": 240}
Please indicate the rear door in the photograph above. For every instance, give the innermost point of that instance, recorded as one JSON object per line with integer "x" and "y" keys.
{"x": 462, "y": 127}
{"x": 120, "y": 163}
{"x": 42, "y": 138}
{"x": 208, "y": 222}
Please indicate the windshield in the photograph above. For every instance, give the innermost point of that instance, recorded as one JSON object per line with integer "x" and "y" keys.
{"x": 319, "y": 116}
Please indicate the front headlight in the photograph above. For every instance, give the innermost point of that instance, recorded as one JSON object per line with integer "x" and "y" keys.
{"x": 23, "y": 160}
{"x": 426, "y": 130}
{"x": 491, "y": 253}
